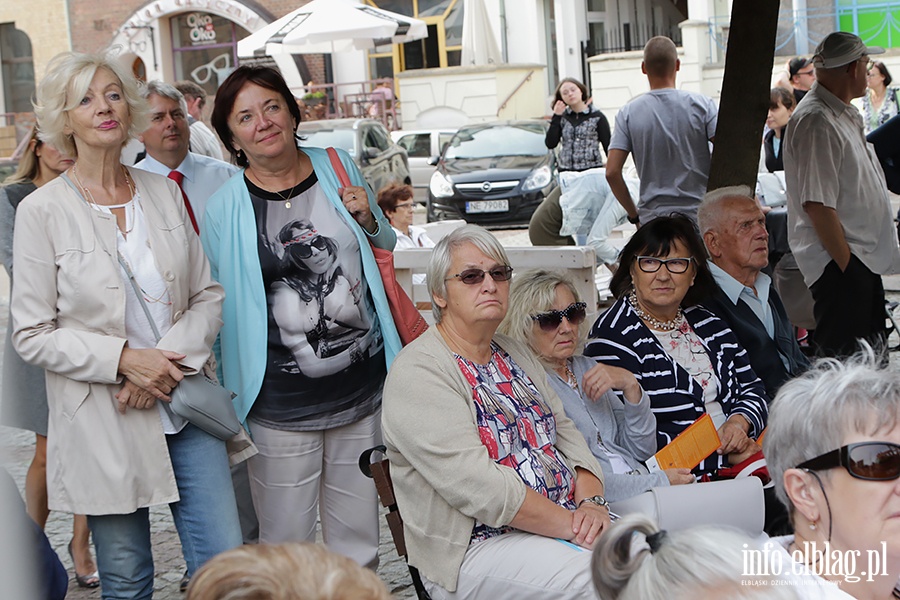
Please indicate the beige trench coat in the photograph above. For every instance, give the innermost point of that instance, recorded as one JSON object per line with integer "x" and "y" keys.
{"x": 68, "y": 317}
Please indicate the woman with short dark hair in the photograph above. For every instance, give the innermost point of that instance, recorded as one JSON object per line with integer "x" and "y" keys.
{"x": 307, "y": 335}
{"x": 781, "y": 107}
{"x": 398, "y": 204}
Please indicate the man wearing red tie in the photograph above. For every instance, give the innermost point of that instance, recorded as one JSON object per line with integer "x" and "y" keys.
{"x": 166, "y": 141}
{"x": 198, "y": 176}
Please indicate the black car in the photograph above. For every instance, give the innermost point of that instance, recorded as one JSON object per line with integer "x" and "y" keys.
{"x": 380, "y": 160}
{"x": 493, "y": 174}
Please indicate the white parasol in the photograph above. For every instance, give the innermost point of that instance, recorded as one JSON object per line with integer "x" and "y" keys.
{"x": 329, "y": 26}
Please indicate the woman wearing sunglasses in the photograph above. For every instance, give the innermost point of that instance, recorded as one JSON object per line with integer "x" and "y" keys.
{"x": 686, "y": 359}
{"x": 499, "y": 492}
{"x": 833, "y": 448}
{"x": 545, "y": 313}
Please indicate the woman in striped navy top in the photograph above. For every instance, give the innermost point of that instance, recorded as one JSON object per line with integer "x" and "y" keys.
{"x": 686, "y": 359}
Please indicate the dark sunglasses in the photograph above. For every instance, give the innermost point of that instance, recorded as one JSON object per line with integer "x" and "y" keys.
{"x": 550, "y": 320}
{"x": 651, "y": 264}
{"x": 872, "y": 461}
{"x": 476, "y": 276}
{"x": 305, "y": 250}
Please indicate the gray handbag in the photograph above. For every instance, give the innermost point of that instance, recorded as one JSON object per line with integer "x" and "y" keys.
{"x": 197, "y": 398}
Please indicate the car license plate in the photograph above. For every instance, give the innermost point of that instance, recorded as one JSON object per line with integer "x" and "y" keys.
{"x": 486, "y": 206}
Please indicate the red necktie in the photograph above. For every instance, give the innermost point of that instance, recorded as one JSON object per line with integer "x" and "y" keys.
{"x": 177, "y": 177}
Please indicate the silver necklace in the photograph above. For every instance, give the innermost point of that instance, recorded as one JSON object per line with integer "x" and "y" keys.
{"x": 89, "y": 197}
{"x": 650, "y": 319}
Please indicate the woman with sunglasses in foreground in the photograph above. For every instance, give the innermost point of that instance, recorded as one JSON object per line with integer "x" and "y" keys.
{"x": 833, "y": 448}
{"x": 545, "y": 313}
{"x": 686, "y": 359}
{"x": 499, "y": 492}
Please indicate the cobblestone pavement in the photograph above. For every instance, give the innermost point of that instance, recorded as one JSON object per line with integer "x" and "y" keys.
{"x": 166, "y": 549}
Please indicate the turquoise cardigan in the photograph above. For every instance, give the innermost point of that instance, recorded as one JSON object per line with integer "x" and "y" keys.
{"x": 230, "y": 240}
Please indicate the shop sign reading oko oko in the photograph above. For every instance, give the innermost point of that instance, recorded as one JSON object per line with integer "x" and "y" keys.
{"x": 201, "y": 29}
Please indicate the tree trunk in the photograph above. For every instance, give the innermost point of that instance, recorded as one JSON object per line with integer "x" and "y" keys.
{"x": 745, "y": 93}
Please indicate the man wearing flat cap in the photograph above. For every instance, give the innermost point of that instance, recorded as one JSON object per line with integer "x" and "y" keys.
{"x": 840, "y": 225}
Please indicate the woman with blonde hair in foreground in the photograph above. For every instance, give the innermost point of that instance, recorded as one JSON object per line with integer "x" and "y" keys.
{"x": 114, "y": 447}
{"x": 284, "y": 572}
{"x": 637, "y": 561}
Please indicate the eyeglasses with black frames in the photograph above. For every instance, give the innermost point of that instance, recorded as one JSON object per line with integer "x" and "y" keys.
{"x": 550, "y": 320}
{"x": 871, "y": 461}
{"x": 651, "y": 264}
{"x": 476, "y": 276}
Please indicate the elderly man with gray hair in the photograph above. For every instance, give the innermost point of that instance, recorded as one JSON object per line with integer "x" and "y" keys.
{"x": 734, "y": 231}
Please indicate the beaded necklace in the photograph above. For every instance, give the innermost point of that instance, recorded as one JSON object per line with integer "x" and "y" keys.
{"x": 650, "y": 319}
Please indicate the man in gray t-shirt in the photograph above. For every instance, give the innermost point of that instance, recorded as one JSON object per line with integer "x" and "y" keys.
{"x": 669, "y": 132}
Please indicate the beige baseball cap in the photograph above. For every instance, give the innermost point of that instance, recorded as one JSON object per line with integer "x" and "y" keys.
{"x": 841, "y": 48}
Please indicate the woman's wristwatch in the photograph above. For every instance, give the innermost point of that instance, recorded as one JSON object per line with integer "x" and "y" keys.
{"x": 595, "y": 500}
{"x": 635, "y": 219}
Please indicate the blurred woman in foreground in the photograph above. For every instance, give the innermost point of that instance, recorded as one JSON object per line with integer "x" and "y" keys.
{"x": 833, "y": 448}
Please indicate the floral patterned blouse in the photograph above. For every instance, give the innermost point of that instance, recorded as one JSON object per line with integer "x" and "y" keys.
{"x": 518, "y": 429}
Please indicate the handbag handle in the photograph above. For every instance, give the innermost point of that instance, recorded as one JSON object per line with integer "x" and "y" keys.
{"x": 140, "y": 295}
{"x": 338, "y": 167}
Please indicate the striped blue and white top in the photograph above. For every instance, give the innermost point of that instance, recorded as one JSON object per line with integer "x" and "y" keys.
{"x": 621, "y": 339}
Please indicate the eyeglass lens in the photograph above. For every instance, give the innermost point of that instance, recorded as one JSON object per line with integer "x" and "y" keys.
{"x": 305, "y": 250}
{"x": 476, "y": 276}
{"x": 550, "y": 320}
{"x": 651, "y": 264}
{"x": 874, "y": 460}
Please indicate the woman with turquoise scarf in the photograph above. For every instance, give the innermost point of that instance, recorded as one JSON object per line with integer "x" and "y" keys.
{"x": 292, "y": 248}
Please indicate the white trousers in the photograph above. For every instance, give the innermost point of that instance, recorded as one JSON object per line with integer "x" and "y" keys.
{"x": 521, "y": 566}
{"x": 299, "y": 477}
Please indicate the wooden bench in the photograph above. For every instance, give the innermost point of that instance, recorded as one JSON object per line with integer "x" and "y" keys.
{"x": 578, "y": 261}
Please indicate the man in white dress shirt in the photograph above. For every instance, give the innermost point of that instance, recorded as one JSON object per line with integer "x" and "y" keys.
{"x": 166, "y": 141}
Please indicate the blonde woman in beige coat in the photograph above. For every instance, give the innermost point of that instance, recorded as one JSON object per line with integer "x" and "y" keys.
{"x": 114, "y": 447}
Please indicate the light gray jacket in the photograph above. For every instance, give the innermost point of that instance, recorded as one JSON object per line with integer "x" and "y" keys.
{"x": 443, "y": 477}
{"x": 625, "y": 428}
